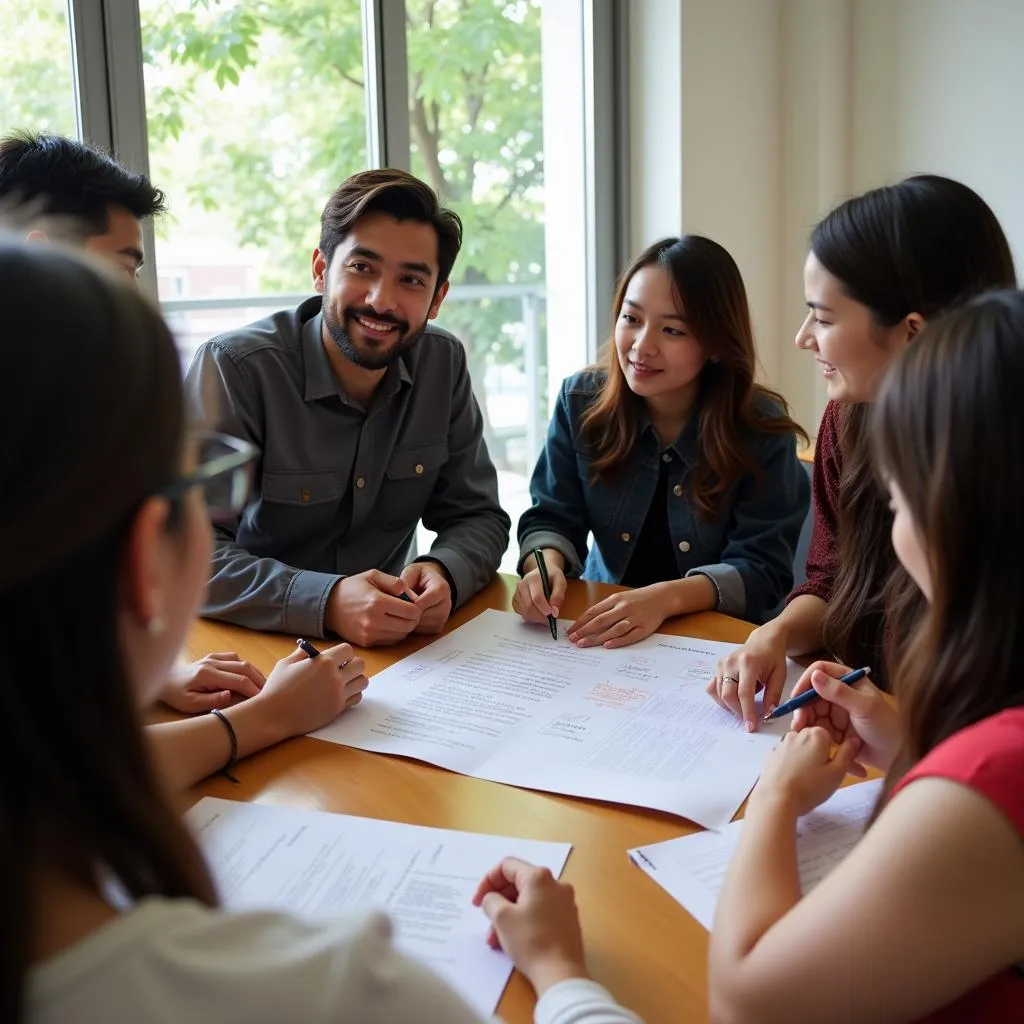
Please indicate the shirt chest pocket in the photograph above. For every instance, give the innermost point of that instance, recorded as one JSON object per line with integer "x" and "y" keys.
{"x": 409, "y": 480}
{"x": 298, "y": 502}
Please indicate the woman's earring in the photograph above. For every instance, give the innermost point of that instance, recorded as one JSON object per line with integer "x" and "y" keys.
{"x": 155, "y": 626}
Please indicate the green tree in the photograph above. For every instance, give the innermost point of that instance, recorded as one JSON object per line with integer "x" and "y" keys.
{"x": 37, "y": 90}
{"x": 256, "y": 112}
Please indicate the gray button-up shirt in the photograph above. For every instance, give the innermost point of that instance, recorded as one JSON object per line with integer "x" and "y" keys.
{"x": 340, "y": 489}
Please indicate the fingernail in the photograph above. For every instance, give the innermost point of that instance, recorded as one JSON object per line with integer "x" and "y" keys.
{"x": 772, "y": 707}
{"x": 749, "y": 726}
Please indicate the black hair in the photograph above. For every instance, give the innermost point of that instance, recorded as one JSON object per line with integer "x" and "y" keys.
{"x": 55, "y": 176}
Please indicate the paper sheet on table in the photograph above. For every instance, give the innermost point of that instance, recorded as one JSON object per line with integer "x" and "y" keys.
{"x": 691, "y": 869}
{"x": 316, "y": 864}
{"x": 499, "y": 699}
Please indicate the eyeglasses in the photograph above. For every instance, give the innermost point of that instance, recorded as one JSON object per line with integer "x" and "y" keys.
{"x": 223, "y": 471}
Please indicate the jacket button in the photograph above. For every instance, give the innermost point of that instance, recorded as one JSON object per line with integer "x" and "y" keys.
{"x": 419, "y": 468}
{"x": 684, "y": 545}
{"x": 678, "y": 490}
{"x": 303, "y": 495}
{"x": 625, "y": 538}
{"x": 666, "y": 457}
{"x": 361, "y": 482}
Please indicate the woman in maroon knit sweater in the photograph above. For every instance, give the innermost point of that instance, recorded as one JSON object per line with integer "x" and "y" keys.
{"x": 880, "y": 266}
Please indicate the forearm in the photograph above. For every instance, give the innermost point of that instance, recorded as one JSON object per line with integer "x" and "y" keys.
{"x": 190, "y": 750}
{"x": 554, "y": 541}
{"x": 471, "y": 550}
{"x": 798, "y": 626}
{"x": 553, "y": 559}
{"x": 761, "y": 886}
{"x": 264, "y": 593}
{"x": 695, "y": 593}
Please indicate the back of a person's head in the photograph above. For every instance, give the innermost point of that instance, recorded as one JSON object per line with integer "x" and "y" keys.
{"x": 946, "y": 430}
{"x": 398, "y": 194}
{"x": 91, "y": 420}
{"x": 920, "y": 246}
{"x": 53, "y": 176}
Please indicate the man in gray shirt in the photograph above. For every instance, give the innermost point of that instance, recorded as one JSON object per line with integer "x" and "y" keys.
{"x": 366, "y": 423}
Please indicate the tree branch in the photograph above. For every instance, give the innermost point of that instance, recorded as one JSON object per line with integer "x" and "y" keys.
{"x": 427, "y": 140}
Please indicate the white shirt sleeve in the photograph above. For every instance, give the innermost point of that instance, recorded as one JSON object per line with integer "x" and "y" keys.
{"x": 167, "y": 961}
{"x": 581, "y": 1001}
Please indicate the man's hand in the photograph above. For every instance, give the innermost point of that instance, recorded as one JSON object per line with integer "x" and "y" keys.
{"x": 433, "y": 595}
{"x": 212, "y": 682}
{"x": 366, "y": 609}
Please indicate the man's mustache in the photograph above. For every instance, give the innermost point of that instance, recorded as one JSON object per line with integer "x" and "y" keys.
{"x": 384, "y": 318}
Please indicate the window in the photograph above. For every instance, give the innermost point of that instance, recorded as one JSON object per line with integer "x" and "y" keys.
{"x": 255, "y": 112}
{"x": 477, "y": 137}
{"x": 37, "y": 83}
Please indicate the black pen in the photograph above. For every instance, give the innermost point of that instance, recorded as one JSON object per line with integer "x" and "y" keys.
{"x": 546, "y": 584}
{"x": 307, "y": 648}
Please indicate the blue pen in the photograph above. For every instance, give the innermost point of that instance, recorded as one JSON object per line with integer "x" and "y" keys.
{"x": 811, "y": 695}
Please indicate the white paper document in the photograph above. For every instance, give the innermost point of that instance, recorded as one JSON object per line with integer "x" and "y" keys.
{"x": 691, "y": 869}
{"x": 499, "y": 699}
{"x": 315, "y": 864}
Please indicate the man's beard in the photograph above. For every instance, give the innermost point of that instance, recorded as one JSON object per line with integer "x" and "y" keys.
{"x": 375, "y": 359}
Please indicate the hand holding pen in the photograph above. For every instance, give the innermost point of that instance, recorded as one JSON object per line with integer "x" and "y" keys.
{"x": 545, "y": 582}
{"x": 844, "y": 709}
{"x": 539, "y": 594}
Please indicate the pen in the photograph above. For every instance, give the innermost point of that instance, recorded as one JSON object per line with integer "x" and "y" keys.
{"x": 307, "y": 648}
{"x": 546, "y": 584}
{"x": 811, "y": 695}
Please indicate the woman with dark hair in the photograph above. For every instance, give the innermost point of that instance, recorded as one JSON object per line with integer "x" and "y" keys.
{"x": 880, "y": 266}
{"x": 682, "y": 467}
{"x": 924, "y": 919}
{"x": 109, "y": 910}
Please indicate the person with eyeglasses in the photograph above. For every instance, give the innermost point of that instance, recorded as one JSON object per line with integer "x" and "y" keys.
{"x": 62, "y": 190}
{"x": 110, "y": 911}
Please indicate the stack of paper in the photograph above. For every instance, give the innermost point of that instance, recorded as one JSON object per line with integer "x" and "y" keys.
{"x": 313, "y": 864}
{"x": 499, "y": 699}
{"x": 691, "y": 869}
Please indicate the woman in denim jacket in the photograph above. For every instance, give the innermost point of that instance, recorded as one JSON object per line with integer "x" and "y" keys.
{"x": 682, "y": 467}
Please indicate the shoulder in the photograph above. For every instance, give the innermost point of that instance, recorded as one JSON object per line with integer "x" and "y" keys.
{"x": 281, "y": 332}
{"x": 580, "y": 390}
{"x": 766, "y": 407}
{"x": 829, "y": 429}
{"x": 987, "y": 757}
{"x": 242, "y": 959}
{"x": 438, "y": 343}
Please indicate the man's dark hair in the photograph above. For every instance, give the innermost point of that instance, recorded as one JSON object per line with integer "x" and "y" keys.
{"x": 55, "y": 176}
{"x": 402, "y": 196}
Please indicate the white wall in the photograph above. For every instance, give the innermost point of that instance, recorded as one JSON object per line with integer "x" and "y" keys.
{"x": 789, "y": 106}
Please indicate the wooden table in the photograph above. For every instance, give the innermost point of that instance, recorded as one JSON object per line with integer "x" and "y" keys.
{"x": 640, "y": 943}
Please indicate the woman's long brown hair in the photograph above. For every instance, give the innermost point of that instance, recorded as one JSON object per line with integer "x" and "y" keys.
{"x": 708, "y": 286}
{"x": 947, "y": 430}
{"x": 921, "y": 246}
{"x": 91, "y": 421}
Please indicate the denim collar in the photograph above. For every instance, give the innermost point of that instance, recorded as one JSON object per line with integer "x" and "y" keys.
{"x": 686, "y": 447}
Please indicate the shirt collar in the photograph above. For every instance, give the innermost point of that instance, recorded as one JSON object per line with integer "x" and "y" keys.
{"x": 320, "y": 380}
{"x": 686, "y": 446}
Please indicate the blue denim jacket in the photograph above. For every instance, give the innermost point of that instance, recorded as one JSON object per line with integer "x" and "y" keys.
{"x": 747, "y": 552}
